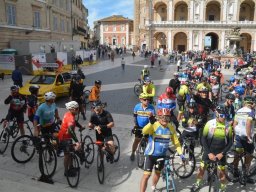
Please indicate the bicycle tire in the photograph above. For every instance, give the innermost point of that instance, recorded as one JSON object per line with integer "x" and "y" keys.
{"x": 140, "y": 152}
{"x": 180, "y": 167}
{"x": 86, "y": 96}
{"x": 117, "y": 147}
{"x": 88, "y": 149}
{"x": 137, "y": 89}
{"x": 73, "y": 180}
{"x": 14, "y": 129}
{"x": 4, "y": 140}
{"x": 229, "y": 173}
{"x": 170, "y": 183}
{"x": 28, "y": 151}
{"x": 224, "y": 88}
{"x": 47, "y": 155}
{"x": 100, "y": 167}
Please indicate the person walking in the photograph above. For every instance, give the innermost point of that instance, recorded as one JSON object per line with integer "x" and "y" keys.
{"x": 17, "y": 77}
{"x": 178, "y": 65}
{"x": 123, "y": 63}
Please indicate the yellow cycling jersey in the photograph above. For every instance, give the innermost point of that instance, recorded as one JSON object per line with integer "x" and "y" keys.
{"x": 149, "y": 89}
{"x": 183, "y": 91}
{"x": 159, "y": 138}
{"x": 207, "y": 85}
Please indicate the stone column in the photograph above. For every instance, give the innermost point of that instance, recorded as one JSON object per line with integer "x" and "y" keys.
{"x": 201, "y": 41}
{"x": 222, "y": 40}
{"x": 191, "y": 11}
{"x": 236, "y": 11}
{"x": 190, "y": 40}
{"x": 202, "y": 12}
{"x": 169, "y": 41}
{"x": 170, "y": 10}
{"x": 224, "y": 11}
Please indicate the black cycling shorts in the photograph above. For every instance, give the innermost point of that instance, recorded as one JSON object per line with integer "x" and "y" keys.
{"x": 106, "y": 135}
{"x": 19, "y": 116}
{"x": 49, "y": 130}
{"x": 65, "y": 145}
{"x": 241, "y": 142}
{"x": 150, "y": 162}
{"x": 138, "y": 133}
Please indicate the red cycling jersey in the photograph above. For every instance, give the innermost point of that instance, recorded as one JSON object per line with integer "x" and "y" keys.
{"x": 68, "y": 120}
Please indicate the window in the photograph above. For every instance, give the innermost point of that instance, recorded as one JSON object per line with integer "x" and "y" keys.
{"x": 55, "y": 23}
{"x": 114, "y": 28}
{"x": 36, "y": 19}
{"x": 211, "y": 17}
{"x": 62, "y": 25}
{"x": 11, "y": 14}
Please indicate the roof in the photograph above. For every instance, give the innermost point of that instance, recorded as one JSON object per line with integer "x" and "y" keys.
{"x": 115, "y": 18}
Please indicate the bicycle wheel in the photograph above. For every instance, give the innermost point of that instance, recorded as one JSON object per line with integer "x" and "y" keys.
{"x": 229, "y": 173}
{"x": 224, "y": 88}
{"x": 140, "y": 152}
{"x": 23, "y": 149}
{"x": 184, "y": 168}
{"x": 117, "y": 147}
{"x": 47, "y": 161}
{"x": 88, "y": 149}
{"x": 86, "y": 96}
{"x": 169, "y": 179}
{"x": 4, "y": 140}
{"x": 137, "y": 89}
{"x": 73, "y": 173}
{"x": 14, "y": 129}
{"x": 100, "y": 166}
{"x": 252, "y": 172}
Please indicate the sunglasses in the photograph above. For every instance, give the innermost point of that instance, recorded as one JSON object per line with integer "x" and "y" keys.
{"x": 145, "y": 99}
{"x": 222, "y": 115}
{"x": 165, "y": 118}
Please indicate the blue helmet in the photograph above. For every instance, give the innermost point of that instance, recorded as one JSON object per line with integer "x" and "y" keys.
{"x": 239, "y": 90}
{"x": 232, "y": 79}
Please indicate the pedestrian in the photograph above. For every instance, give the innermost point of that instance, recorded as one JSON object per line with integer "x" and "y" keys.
{"x": 152, "y": 59}
{"x": 178, "y": 65}
{"x": 159, "y": 60}
{"x": 133, "y": 55}
{"x": 17, "y": 77}
{"x": 123, "y": 63}
{"x": 74, "y": 65}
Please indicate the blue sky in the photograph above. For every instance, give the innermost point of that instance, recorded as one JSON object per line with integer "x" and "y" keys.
{"x": 99, "y": 9}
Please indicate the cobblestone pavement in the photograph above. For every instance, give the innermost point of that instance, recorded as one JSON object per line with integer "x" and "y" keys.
{"x": 117, "y": 91}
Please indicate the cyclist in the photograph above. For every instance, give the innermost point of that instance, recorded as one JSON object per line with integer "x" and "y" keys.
{"x": 217, "y": 140}
{"x": 17, "y": 108}
{"x": 149, "y": 88}
{"x": 183, "y": 96}
{"x": 95, "y": 92}
{"x": 45, "y": 116}
{"x": 230, "y": 109}
{"x": 144, "y": 73}
{"x": 102, "y": 122}
{"x": 238, "y": 92}
{"x": 76, "y": 94}
{"x": 32, "y": 101}
{"x": 168, "y": 100}
{"x": 67, "y": 134}
{"x": 160, "y": 133}
{"x": 215, "y": 87}
{"x": 142, "y": 112}
{"x": 189, "y": 123}
{"x": 175, "y": 83}
{"x": 204, "y": 83}
{"x": 244, "y": 132}
{"x": 219, "y": 75}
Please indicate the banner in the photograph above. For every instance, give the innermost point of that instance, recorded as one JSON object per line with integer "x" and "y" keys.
{"x": 62, "y": 56}
{"x": 37, "y": 59}
{"x": 207, "y": 41}
{"x": 7, "y": 62}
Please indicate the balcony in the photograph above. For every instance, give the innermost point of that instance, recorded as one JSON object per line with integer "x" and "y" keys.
{"x": 202, "y": 24}
{"x": 79, "y": 31}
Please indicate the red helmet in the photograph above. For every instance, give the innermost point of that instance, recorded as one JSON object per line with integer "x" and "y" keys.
{"x": 169, "y": 90}
{"x": 194, "y": 67}
{"x": 163, "y": 111}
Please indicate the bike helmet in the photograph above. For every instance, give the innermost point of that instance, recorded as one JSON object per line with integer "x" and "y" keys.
{"x": 78, "y": 78}
{"x": 14, "y": 88}
{"x": 194, "y": 67}
{"x": 192, "y": 105}
{"x": 203, "y": 89}
{"x": 219, "y": 69}
{"x": 248, "y": 99}
{"x": 147, "y": 80}
{"x": 98, "y": 82}
{"x": 49, "y": 96}
{"x": 232, "y": 79}
{"x": 96, "y": 104}
{"x": 33, "y": 89}
{"x": 145, "y": 66}
{"x": 230, "y": 96}
{"x": 175, "y": 74}
{"x": 71, "y": 105}
{"x": 221, "y": 109}
{"x": 169, "y": 90}
{"x": 163, "y": 111}
{"x": 143, "y": 96}
{"x": 204, "y": 79}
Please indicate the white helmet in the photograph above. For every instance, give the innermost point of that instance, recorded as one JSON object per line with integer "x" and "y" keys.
{"x": 219, "y": 69}
{"x": 145, "y": 66}
{"x": 49, "y": 96}
{"x": 71, "y": 105}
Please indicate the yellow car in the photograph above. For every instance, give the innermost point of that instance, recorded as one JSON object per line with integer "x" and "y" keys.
{"x": 58, "y": 83}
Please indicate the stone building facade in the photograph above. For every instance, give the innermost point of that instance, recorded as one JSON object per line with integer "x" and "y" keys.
{"x": 116, "y": 31}
{"x": 190, "y": 24}
{"x": 40, "y": 20}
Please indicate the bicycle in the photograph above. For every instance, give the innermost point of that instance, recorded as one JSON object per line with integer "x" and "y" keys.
{"x": 141, "y": 150}
{"x": 138, "y": 88}
{"x": 10, "y": 130}
{"x": 212, "y": 176}
{"x": 100, "y": 157}
{"x": 185, "y": 168}
{"x": 85, "y": 155}
{"x": 243, "y": 174}
{"x": 167, "y": 173}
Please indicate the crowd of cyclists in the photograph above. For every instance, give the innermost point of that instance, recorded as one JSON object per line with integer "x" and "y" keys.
{"x": 192, "y": 90}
